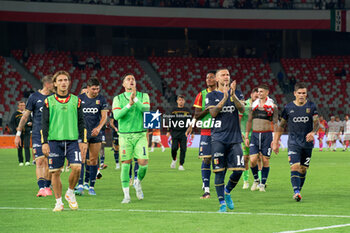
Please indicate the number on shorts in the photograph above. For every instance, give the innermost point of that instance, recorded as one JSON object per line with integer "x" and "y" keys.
{"x": 77, "y": 156}
{"x": 144, "y": 150}
{"x": 269, "y": 152}
{"x": 307, "y": 161}
{"x": 240, "y": 161}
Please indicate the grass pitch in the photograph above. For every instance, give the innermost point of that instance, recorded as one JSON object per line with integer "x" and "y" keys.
{"x": 172, "y": 202}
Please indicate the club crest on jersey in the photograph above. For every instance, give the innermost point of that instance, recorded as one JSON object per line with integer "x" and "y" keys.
{"x": 97, "y": 101}
{"x": 308, "y": 110}
{"x": 50, "y": 161}
{"x": 216, "y": 161}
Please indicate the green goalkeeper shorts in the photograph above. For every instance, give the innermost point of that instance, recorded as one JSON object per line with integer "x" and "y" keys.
{"x": 133, "y": 145}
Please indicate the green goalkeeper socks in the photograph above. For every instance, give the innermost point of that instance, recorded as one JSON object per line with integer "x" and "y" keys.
{"x": 124, "y": 175}
{"x": 246, "y": 175}
{"x": 259, "y": 174}
{"x": 142, "y": 172}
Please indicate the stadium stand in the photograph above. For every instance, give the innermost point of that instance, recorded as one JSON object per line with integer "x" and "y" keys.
{"x": 12, "y": 86}
{"x": 328, "y": 76}
{"x": 186, "y": 75}
{"x": 110, "y": 73}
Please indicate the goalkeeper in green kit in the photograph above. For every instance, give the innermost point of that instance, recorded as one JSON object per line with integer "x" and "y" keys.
{"x": 128, "y": 109}
{"x": 244, "y": 119}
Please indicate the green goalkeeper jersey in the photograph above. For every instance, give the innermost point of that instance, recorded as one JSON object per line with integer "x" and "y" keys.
{"x": 244, "y": 118}
{"x": 130, "y": 119}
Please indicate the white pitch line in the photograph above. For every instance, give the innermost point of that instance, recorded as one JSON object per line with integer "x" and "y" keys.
{"x": 317, "y": 228}
{"x": 188, "y": 212}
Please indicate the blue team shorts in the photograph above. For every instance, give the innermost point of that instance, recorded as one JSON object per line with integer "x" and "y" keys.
{"x": 260, "y": 143}
{"x": 59, "y": 150}
{"x": 97, "y": 139}
{"x": 297, "y": 154}
{"x": 227, "y": 156}
{"x": 38, "y": 153}
{"x": 205, "y": 147}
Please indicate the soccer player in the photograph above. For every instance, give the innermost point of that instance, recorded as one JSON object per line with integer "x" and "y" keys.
{"x": 156, "y": 139}
{"x": 340, "y": 129}
{"x": 201, "y": 113}
{"x": 322, "y": 131}
{"x": 35, "y": 105}
{"x": 102, "y": 150}
{"x": 62, "y": 125}
{"x": 302, "y": 119}
{"x": 25, "y": 136}
{"x": 244, "y": 118}
{"x": 94, "y": 107}
{"x": 263, "y": 112}
{"x": 178, "y": 133}
{"x": 333, "y": 129}
{"x": 128, "y": 109}
{"x": 114, "y": 126}
{"x": 227, "y": 153}
{"x": 346, "y": 132}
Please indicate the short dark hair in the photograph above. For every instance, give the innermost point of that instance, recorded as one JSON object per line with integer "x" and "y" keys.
{"x": 180, "y": 96}
{"x": 300, "y": 85}
{"x": 93, "y": 81}
{"x": 255, "y": 89}
{"x": 210, "y": 72}
{"x": 20, "y": 102}
{"x": 127, "y": 74}
{"x": 264, "y": 86}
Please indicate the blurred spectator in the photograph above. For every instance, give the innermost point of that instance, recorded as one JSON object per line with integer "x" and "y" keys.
{"x": 97, "y": 63}
{"x": 7, "y": 130}
{"x": 292, "y": 83}
{"x": 227, "y": 4}
{"x": 74, "y": 59}
{"x": 0, "y": 119}
{"x": 81, "y": 63}
{"x": 341, "y": 4}
{"x": 25, "y": 55}
{"x": 90, "y": 62}
{"x": 341, "y": 73}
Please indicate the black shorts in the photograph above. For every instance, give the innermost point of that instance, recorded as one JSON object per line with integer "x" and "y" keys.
{"x": 205, "y": 147}
{"x": 96, "y": 139}
{"x": 260, "y": 143}
{"x": 59, "y": 150}
{"x": 227, "y": 156}
{"x": 297, "y": 154}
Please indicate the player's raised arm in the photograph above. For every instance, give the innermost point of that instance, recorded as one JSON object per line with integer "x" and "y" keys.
{"x": 248, "y": 127}
{"x": 215, "y": 109}
{"x": 45, "y": 122}
{"x": 234, "y": 98}
{"x": 119, "y": 112}
{"x": 199, "y": 114}
{"x": 142, "y": 105}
